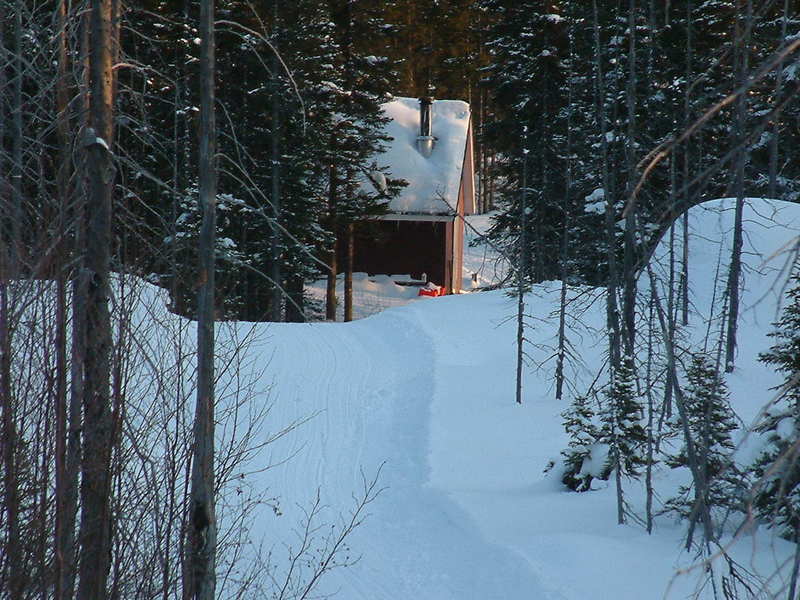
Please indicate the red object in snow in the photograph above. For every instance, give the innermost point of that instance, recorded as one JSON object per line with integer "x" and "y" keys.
{"x": 431, "y": 289}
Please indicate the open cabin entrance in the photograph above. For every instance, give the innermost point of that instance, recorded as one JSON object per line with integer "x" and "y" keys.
{"x": 398, "y": 247}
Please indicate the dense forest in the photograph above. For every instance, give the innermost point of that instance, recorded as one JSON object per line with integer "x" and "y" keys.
{"x": 221, "y": 149}
{"x": 579, "y": 98}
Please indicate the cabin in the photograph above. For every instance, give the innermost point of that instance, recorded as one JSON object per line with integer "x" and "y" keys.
{"x": 423, "y": 233}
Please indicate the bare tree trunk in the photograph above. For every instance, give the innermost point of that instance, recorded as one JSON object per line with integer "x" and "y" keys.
{"x": 687, "y": 119}
{"x": 14, "y": 574}
{"x": 203, "y": 526}
{"x": 776, "y": 126}
{"x": 742, "y": 40}
{"x": 795, "y": 566}
{"x": 5, "y": 225}
{"x": 700, "y": 511}
{"x": 95, "y": 525}
{"x": 651, "y": 441}
{"x": 348, "y": 271}
{"x": 276, "y": 297}
{"x": 16, "y": 147}
{"x": 618, "y": 485}
{"x": 79, "y": 286}
{"x": 294, "y": 305}
{"x": 565, "y": 230}
{"x": 522, "y": 267}
{"x": 629, "y": 272}
{"x": 64, "y": 535}
{"x": 74, "y": 445}
{"x": 330, "y": 292}
{"x": 612, "y": 313}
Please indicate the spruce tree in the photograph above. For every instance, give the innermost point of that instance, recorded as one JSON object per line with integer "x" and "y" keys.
{"x": 622, "y": 429}
{"x": 621, "y": 419}
{"x": 583, "y": 434}
{"x": 527, "y": 79}
{"x": 777, "y": 468}
{"x": 711, "y": 422}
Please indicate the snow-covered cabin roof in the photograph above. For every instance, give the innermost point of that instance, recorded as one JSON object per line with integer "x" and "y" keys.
{"x": 429, "y": 179}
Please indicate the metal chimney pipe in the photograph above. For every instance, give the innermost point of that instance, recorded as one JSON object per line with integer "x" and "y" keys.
{"x": 425, "y": 140}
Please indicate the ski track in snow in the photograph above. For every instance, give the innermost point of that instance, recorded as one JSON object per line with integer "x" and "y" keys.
{"x": 427, "y": 390}
{"x": 417, "y": 542}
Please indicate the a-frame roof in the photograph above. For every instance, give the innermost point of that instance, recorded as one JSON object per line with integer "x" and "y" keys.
{"x": 433, "y": 182}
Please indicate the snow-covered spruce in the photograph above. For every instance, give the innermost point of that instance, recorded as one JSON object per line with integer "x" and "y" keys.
{"x": 777, "y": 490}
{"x": 711, "y": 422}
{"x": 622, "y": 427}
{"x": 583, "y": 433}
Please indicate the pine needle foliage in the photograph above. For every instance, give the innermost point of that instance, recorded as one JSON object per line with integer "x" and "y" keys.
{"x": 711, "y": 424}
{"x": 622, "y": 426}
{"x": 777, "y": 469}
{"x": 583, "y": 434}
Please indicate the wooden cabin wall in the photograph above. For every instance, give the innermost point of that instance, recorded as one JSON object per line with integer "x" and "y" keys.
{"x": 405, "y": 247}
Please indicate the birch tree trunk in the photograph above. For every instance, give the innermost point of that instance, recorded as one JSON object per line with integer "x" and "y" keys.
{"x": 203, "y": 526}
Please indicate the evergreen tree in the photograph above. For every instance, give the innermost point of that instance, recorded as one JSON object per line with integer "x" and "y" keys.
{"x": 355, "y": 135}
{"x": 777, "y": 469}
{"x": 621, "y": 422}
{"x": 622, "y": 429}
{"x": 583, "y": 434}
{"x": 527, "y": 78}
{"x": 710, "y": 423}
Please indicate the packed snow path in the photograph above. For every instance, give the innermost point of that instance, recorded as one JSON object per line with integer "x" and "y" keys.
{"x": 427, "y": 390}
{"x": 371, "y": 385}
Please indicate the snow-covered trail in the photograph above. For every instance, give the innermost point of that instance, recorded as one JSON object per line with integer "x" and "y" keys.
{"x": 370, "y": 385}
{"x": 427, "y": 391}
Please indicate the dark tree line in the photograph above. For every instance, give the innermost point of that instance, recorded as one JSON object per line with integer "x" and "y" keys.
{"x": 623, "y": 79}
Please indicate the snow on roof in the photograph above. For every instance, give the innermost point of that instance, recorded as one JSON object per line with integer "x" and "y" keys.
{"x": 429, "y": 179}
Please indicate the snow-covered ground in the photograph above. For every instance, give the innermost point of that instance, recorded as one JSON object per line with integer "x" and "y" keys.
{"x": 427, "y": 391}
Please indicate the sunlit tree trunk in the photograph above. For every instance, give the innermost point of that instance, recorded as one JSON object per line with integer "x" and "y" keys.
{"x": 95, "y": 524}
